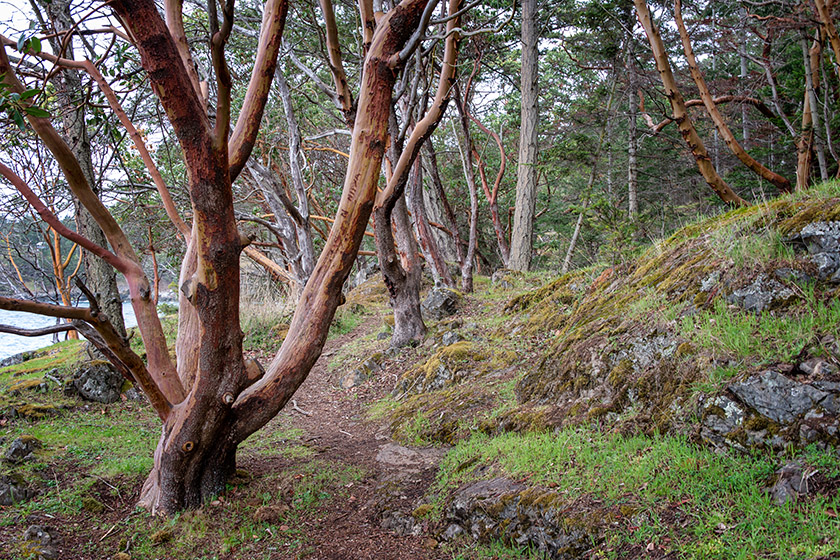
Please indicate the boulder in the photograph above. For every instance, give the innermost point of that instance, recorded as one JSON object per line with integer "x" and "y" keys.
{"x": 441, "y": 303}
{"x": 41, "y": 541}
{"x": 13, "y": 489}
{"x": 361, "y": 373}
{"x": 822, "y": 241}
{"x": 22, "y": 449}
{"x": 791, "y": 483}
{"x": 776, "y": 397}
{"x": 98, "y": 382}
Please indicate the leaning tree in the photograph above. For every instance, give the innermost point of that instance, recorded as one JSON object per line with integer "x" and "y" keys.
{"x": 210, "y": 398}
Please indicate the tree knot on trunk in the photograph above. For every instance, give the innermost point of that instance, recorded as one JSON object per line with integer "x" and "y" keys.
{"x": 188, "y": 447}
{"x": 228, "y": 398}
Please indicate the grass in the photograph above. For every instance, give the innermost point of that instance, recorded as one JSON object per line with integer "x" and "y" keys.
{"x": 763, "y": 339}
{"x": 719, "y": 498}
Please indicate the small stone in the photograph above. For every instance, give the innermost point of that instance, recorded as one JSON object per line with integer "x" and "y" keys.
{"x": 383, "y": 335}
{"x": 44, "y": 539}
{"x": 451, "y": 532}
{"x": 121, "y": 556}
{"x": 450, "y": 337}
{"x": 430, "y": 543}
{"x": 13, "y": 490}
{"x": 817, "y": 367}
{"x": 22, "y": 449}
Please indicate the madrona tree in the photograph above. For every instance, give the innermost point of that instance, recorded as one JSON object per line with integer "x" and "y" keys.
{"x": 209, "y": 398}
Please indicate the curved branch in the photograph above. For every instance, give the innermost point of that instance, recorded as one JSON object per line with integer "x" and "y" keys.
{"x": 63, "y": 327}
{"x": 56, "y": 224}
{"x": 345, "y": 96}
{"x": 247, "y": 125}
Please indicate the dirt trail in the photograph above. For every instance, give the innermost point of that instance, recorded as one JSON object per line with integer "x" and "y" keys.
{"x": 335, "y": 427}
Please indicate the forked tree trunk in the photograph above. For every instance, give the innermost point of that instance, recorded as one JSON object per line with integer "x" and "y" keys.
{"x": 197, "y": 450}
{"x": 777, "y": 180}
{"x": 681, "y": 116}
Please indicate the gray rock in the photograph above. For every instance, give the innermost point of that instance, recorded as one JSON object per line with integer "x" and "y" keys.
{"x": 13, "y": 490}
{"x": 383, "y": 335}
{"x": 708, "y": 283}
{"x": 440, "y": 303}
{"x": 822, "y": 241}
{"x": 791, "y": 484}
{"x": 98, "y": 382}
{"x": 22, "y": 449}
{"x": 820, "y": 237}
{"x": 792, "y": 275}
{"x": 44, "y": 538}
{"x": 17, "y": 359}
{"x": 401, "y": 524}
{"x": 360, "y": 374}
{"x": 452, "y": 532}
{"x": 763, "y": 293}
{"x": 776, "y": 397}
{"x": 817, "y": 367}
{"x": 450, "y": 337}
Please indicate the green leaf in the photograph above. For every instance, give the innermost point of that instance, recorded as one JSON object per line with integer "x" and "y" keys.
{"x": 37, "y": 112}
{"x": 18, "y": 118}
{"x": 35, "y": 44}
{"x": 20, "y": 42}
{"x": 30, "y": 93}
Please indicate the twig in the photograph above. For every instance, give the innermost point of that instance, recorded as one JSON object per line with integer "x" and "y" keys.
{"x": 346, "y": 433}
{"x": 111, "y": 530}
{"x": 296, "y": 408}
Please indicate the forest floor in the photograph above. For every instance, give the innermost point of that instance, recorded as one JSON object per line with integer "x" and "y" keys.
{"x": 317, "y": 482}
{"x": 376, "y": 470}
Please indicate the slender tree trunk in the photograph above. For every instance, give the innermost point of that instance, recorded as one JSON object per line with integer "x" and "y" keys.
{"x": 452, "y": 222}
{"x": 632, "y": 110}
{"x": 100, "y": 276}
{"x": 805, "y": 147}
{"x": 428, "y": 244}
{"x": 304, "y": 230}
{"x": 521, "y": 242}
{"x": 469, "y": 173}
{"x": 711, "y": 108}
{"x": 681, "y": 115}
{"x": 823, "y": 10}
{"x": 812, "y": 69}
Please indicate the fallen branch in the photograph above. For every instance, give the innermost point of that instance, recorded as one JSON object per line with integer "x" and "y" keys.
{"x": 296, "y": 408}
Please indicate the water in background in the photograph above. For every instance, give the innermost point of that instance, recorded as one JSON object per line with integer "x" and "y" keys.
{"x": 11, "y": 344}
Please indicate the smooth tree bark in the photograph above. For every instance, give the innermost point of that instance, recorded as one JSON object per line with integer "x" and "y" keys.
{"x": 812, "y": 58}
{"x": 681, "y": 116}
{"x": 467, "y": 152}
{"x": 522, "y": 234}
{"x": 777, "y": 180}
{"x": 823, "y": 11}
{"x": 215, "y": 399}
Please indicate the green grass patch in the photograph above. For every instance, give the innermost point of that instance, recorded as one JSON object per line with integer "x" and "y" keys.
{"x": 728, "y": 514}
{"x": 764, "y": 338}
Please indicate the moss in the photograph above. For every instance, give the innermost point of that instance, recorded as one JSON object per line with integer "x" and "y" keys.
{"x": 422, "y": 510}
{"x": 92, "y": 505}
{"x": 686, "y": 349}
{"x": 35, "y": 411}
{"x": 25, "y": 384}
{"x": 162, "y": 536}
{"x": 619, "y": 374}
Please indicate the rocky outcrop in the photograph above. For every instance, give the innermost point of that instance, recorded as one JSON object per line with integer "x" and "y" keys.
{"x": 771, "y": 410}
{"x": 822, "y": 241}
{"x": 541, "y": 519}
{"x": 441, "y": 303}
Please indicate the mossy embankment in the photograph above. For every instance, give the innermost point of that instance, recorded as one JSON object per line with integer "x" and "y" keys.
{"x": 651, "y": 400}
